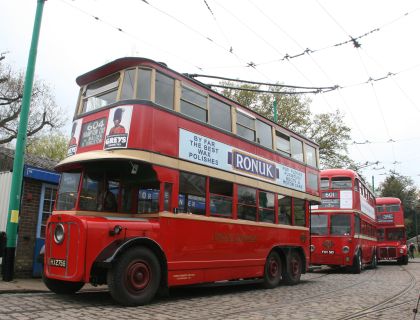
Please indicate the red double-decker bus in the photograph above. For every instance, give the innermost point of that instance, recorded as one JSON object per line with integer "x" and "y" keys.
{"x": 169, "y": 183}
{"x": 392, "y": 240}
{"x": 343, "y": 226}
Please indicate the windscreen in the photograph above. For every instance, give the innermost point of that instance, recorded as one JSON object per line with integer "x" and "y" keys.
{"x": 67, "y": 193}
{"x": 340, "y": 224}
{"x": 319, "y": 224}
{"x": 394, "y": 234}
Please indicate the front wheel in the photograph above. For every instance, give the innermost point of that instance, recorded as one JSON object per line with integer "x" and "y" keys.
{"x": 272, "y": 271}
{"x": 293, "y": 270}
{"x": 374, "y": 262}
{"x": 62, "y": 287}
{"x": 135, "y": 277}
{"x": 357, "y": 263}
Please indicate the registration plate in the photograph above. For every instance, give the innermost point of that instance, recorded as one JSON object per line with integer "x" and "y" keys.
{"x": 58, "y": 263}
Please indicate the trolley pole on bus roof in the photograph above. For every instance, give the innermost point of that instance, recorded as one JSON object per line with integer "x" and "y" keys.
{"x": 18, "y": 162}
{"x": 275, "y": 109}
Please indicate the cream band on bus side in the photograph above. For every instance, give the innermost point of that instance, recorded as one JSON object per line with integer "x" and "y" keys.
{"x": 212, "y": 153}
{"x": 118, "y": 127}
{"x": 74, "y": 138}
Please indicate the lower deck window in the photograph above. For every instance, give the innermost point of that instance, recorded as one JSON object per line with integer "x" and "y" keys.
{"x": 221, "y": 193}
{"x": 192, "y": 193}
{"x": 148, "y": 201}
{"x": 299, "y": 212}
{"x": 247, "y": 203}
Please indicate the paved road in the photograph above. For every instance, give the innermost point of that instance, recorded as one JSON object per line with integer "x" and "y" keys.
{"x": 388, "y": 292}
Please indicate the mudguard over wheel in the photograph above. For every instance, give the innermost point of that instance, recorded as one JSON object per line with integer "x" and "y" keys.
{"x": 135, "y": 277}
{"x": 62, "y": 287}
{"x": 357, "y": 263}
{"x": 293, "y": 270}
{"x": 272, "y": 271}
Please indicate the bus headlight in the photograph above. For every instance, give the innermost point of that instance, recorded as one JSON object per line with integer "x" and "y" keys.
{"x": 401, "y": 250}
{"x": 346, "y": 249}
{"x": 312, "y": 248}
{"x": 59, "y": 233}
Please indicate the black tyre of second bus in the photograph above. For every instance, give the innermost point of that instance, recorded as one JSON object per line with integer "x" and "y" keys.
{"x": 293, "y": 270}
{"x": 62, "y": 287}
{"x": 135, "y": 277}
{"x": 357, "y": 263}
{"x": 374, "y": 262}
{"x": 272, "y": 271}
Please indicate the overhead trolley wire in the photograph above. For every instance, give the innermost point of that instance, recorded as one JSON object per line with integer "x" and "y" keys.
{"x": 119, "y": 29}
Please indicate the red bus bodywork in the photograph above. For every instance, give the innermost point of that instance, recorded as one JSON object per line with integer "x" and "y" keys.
{"x": 343, "y": 226}
{"x": 165, "y": 242}
{"x": 392, "y": 240}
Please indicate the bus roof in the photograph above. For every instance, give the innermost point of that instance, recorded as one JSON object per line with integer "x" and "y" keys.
{"x": 387, "y": 200}
{"x": 328, "y": 173}
{"x": 127, "y": 62}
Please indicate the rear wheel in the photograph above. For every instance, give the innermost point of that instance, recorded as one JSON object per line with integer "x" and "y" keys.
{"x": 62, "y": 287}
{"x": 272, "y": 271}
{"x": 293, "y": 271}
{"x": 135, "y": 277}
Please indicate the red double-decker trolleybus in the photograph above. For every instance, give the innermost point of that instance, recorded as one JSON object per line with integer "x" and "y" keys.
{"x": 392, "y": 240}
{"x": 169, "y": 183}
{"x": 343, "y": 226}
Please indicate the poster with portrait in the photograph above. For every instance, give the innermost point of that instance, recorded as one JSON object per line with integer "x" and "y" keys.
{"x": 74, "y": 138}
{"x": 118, "y": 127}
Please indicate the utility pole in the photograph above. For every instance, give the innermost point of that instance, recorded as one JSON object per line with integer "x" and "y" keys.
{"x": 18, "y": 162}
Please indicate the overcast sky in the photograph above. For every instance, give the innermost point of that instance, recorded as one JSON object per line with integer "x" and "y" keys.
{"x": 223, "y": 38}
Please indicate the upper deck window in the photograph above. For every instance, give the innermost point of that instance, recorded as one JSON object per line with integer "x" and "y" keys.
{"x": 283, "y": 144}
{"x": 310, "y": 155}
{"x": 144, "y": 83}
{"x": 194, "y": 104}
{"x": 325, "y": 183}
{"x": 245, "y": 126}
{"x": 219, "y": 114}
{"x": 296, "y": 148}
{"x": 165, "y": 87}
{"x": 392, "y": 207}
{"x": 100, "y": 93}
{"x": 264, "y": 135}
{"x": 127, "y": 90}
{"x": 342, "y": 183}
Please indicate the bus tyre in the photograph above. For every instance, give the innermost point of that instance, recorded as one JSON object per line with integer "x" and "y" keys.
{"x": 404, "y": 260}
{"x": 272, "y": 271}
{"x": 357, "y": 263}
{"x": 374, "y": 262}
{"x": 135, "y": 277}
{"x": 293, "y": 270}
{"x": 62, "y": 287}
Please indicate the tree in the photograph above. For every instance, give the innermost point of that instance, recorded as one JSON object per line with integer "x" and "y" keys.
{"x": 44, "y": 112}
{"x": 327, "y": 129}
{"x": 52, "y": 146}
{"x": 398, "y": 186}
